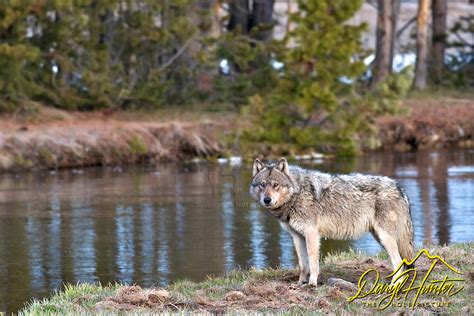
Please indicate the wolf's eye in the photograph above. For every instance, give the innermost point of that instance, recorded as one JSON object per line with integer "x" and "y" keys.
{"x": 275, "y": 185}
{"x": 262, "y": 185}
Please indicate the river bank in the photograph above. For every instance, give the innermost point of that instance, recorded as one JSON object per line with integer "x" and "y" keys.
{"x": 271, "y": 290}
{"x": 431, "y": 122}
{"x": 52, "y": 139}
{"x": 58, "y": 139}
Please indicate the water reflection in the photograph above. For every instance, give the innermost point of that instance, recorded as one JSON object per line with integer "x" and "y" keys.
{"x": 155, "y": 226}
{"x": 440, "y": 185}
{"x": 124, "y": 230}
{"x": 424, "y": 179}
{"x": 258, "y": 237}
{"x": 228, "y": 213}
{"x": 163, "y": 267}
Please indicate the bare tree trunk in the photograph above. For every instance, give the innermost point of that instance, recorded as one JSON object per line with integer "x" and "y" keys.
{"x": 383, "y": 54}
{"x": 239, "y": 16}
{"x": 439, "y": 14}
{"x": 421, "y": 69}
{"x": 216, "y": 23}
{"x": 262, "y": 15}
{"x": 394, "y": 20}
{"x": 288, "y": 13}
{"x": 165, "y": 21}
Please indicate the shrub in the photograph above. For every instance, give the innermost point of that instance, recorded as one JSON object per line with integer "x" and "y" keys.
{"x": 92, "y": 54}
{"x": 314, "y": 105}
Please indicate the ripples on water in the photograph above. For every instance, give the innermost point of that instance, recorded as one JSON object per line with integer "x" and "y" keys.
{"x": 153, "y": 226}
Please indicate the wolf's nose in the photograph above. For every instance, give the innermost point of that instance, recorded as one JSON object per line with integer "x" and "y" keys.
{"x": 267, "y": 200}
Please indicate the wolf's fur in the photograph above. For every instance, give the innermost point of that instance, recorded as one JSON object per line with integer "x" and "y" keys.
{"x": 311, "y": 204}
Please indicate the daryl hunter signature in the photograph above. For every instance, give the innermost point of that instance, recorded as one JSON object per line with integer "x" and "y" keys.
{"x": 409, "y": 281}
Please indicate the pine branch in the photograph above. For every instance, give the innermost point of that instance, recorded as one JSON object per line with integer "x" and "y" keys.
{"x": 178, "y": 53}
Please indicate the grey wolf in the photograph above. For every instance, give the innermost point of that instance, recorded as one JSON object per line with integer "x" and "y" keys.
{"x": 311, "y": 204}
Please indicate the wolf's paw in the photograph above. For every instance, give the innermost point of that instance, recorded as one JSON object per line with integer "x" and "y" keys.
{"x": 304, "y": 276}
{"x": 313, "y": 281}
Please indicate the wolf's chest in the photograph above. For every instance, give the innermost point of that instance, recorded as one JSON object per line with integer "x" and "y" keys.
{"x": 282, "y": 215}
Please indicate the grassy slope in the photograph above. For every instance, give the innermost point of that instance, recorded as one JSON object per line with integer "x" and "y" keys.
{"x": 268, "y": 290}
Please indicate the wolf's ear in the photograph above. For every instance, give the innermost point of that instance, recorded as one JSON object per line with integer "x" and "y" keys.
{"x": 282, "y": 165}
{"x": 257, "y": 166}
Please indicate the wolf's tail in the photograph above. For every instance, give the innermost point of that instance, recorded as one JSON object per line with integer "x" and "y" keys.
{"x": 405, "y": 236}
{"x": 405, "y": 242}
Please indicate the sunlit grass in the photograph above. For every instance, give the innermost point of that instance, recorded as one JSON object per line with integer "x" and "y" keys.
{"x": 79, "y": 298}
{"x": 265, "y": 287}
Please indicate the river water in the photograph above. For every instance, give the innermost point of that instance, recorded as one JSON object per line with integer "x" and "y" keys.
{"x": 151, "y": 226}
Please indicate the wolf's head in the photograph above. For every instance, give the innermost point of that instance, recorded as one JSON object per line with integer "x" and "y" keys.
{"x": 272, "y": 185}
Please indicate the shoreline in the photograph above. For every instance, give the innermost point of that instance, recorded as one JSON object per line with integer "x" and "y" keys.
{"x": 267, "y": 291}
{"x": 430, "y": 123}
{"x": 54, "y": 139}
{"x": 105, "y": 143}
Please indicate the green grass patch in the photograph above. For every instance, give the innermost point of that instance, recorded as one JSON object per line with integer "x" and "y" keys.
{"x": 138, "y": 146}
{"x": 265, "y": 291}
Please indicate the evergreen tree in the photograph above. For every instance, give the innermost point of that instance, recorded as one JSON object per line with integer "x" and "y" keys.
{"x": 315, "y": 105}
{"x": 90, "y": 54}
{"x": 16, "y": 55}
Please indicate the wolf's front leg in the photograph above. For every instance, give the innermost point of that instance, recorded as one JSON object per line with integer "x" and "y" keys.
{"x": 303, "y": 261}
{"x": 312, "y": 245}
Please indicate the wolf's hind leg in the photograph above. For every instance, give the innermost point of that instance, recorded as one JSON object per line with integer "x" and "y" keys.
{"x": 391, "y": 246}
{"x": 303, "y": 261}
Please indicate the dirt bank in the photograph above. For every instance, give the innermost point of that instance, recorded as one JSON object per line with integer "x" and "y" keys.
{"x": 271, "y": 291}
{"x": 88, "y": 140}
{"x": 430, "y": 122}
{"x": 52, "y": 138}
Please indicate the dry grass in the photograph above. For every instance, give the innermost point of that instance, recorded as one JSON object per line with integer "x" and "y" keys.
{"x": 104, "y": 143}
{"x": 435, "y": 120}
{"x": 51, "y": 138}
{"x": 262, "y": 291}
